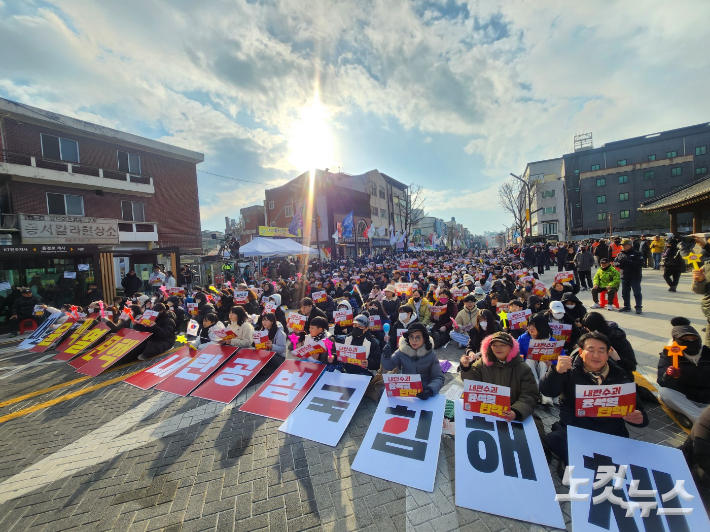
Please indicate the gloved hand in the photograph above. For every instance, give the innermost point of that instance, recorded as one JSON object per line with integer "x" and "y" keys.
{"x": 425, "y": 394}
{"x": 673, "y": 372}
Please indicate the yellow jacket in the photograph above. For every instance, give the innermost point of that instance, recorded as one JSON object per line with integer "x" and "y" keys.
{"x": 424, "y": 310}
{"x": 657, "y": 246}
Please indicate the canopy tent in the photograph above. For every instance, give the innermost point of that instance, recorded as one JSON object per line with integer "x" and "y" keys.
{"x": 268, "y": 247}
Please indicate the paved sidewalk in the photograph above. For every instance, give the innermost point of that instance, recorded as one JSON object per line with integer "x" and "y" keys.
{"x": 118, "y": 458}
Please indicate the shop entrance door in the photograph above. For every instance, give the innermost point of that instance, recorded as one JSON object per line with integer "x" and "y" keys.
{"x": 121, "y": 267}
{"x": 143, "y": 272}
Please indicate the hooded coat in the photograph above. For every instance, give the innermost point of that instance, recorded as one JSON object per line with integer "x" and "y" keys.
{"x": 424, "y": 311}
{"x": 694, "y": 380}
{"x": 422, "y": 361}
{"x": 514, "y": 373}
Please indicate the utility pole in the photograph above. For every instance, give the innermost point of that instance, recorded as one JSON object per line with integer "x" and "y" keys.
{"x": 610, "y": 228}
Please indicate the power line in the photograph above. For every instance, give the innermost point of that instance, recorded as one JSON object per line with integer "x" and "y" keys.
{"x": 232, "y": 178}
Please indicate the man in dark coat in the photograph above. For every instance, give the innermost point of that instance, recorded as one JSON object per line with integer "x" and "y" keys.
{"x": 309, "y": 310}
{"x": 162, "y": 331}
{"x": 23, "y": 309}
{"x": 131, "y": 283}
{"x": 93, "y": 293}
{"x": 630, "y": 262}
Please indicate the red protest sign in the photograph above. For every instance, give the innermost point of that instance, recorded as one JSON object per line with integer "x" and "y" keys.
{"x": 310, "y": 351}
{"x": 501, "y": 307}
{"x": 54, "y": 336}
{"x": 192, "y": 309}
{"x": 343, "y": 318}
{"x": 403, "y": 289}
{"x": 564, "y": 277}
{"x": 89, "y": 340}
{"x": 241, "y": 297}
{"x": 561, "y": 331}
{"x": 540, "y": 289}
{"x": 545, "y": 349}
{"x": 112, "y": 350}
{"x": 74, "y": 336}
{"x": 281, "y": 393}
{"x": 260, "y": 339}
{"x": 437, "y": 311}
{"x": 234, "y": 376}
{"x": 148, "y": 317}
{"x": 157, "y": 373}
{"x": 459, "y": 293}
{"x": 319, "y": 297}
{"x": 397, "y": 385}
{"x": 485, "y": 398}
{"x": 270, "y": 306}
{"x": 176, "y": 291}
{"x": 517, "y": 320}
{"x": 207, "y": 361}
{"x": 375, "y": 323}
{"x": 607, "y": 400}
{"x": 296, "y": 322}
{"x": 352, "y": 354}
{"x": 225, "y": 335}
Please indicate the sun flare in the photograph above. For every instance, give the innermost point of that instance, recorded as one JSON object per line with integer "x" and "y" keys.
{"x": 310, "y": 141}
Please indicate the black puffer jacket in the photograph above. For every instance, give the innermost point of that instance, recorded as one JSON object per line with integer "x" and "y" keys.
{"x": 131, "y": 284}
{"x": 694, "y": 380}
{"x": 163, "y": 330}
{"x": 25, "y": 306}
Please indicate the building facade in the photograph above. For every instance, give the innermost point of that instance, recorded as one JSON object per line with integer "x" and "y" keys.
{"x": 547, "y": 194}
{"x": 606, "y": 185}
{"x": 82, "y": 202}
{"x": 251, "y": 218}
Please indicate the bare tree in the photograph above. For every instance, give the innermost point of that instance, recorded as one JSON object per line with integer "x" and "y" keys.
{"x": 409, "y": 208}
{"x": 512, "y": 199}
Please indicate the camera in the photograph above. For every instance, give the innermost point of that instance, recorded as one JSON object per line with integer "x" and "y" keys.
{"x": 688, "y": 239}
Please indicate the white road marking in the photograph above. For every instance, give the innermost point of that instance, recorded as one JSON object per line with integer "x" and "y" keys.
{"x": 107, "y": 442}
{"x": 28, "y": 365}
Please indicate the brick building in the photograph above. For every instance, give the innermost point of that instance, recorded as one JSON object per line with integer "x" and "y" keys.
{"x": 92, "y": 201}
{"x": 251, "y": 217}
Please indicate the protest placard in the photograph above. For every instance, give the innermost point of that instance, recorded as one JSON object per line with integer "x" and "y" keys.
{"x": 343, "y": 318}
{"x": 485, "y": 398}
{"x": 270, "y": 306}
{"x": 207, "y": 361}
{"x": 112, "y": 350}
{"x": 148, "y": 317}
{"x": 224, "y": 385}
{"x": 74, "y": 335}
{"x": 517, "y": 320}
{"x": 352, "y": 354}
{"x": 319, "y": 297}
{"x": 539, "y": 289}
{"x": 608, "y": 400}
{"x": 192, "y": 309}
{"x": 459, "y": 293}
{"x": 296, "y": 322}
{"x": 403, "y": 289}
{"x": 437, "y": 311}
{"x": 398, "y": 385}
{"x": 55, "y": 336}
{"x": 564, "y": 277}
{"x": 309, "y": 352}
{"x": 241, "y": 297}
{"x": 192, "y": 328}
{"x": 260, "y": 339}
{"x": 89, "y": 340}
{"x": 561, "y": 331}
{"x": 545, "y": 349}
{"x": 157, "y": 373}
{"x": 224, "y": 335}
{"x": 375, "y": 323}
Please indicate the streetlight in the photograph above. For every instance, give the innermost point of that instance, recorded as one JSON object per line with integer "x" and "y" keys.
{"x": 528, "y": 214}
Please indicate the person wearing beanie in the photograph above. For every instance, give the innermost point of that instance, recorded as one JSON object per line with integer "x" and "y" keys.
{"x": 416, "y": 356}
{"x": 362, "y": 337}
{"x": 391, "y": 302}
{"x": 500, "y": 363}
{"x": 685, "y": 389}
{"x": 574, "y": 307}
{"x": 592, "y": 367}
{"x": 538, "y": 329}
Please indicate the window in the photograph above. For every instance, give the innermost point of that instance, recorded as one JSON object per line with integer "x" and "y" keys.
{"x": 375, "y": 211}
{"x": 622, "y": 162}
{"x": 288, "y": 211}
{"x": 246, "y": 220}
{"x": 548, "y": 193}
{"x": 601, "y": 216}
{"x": 601, "y": 182}
{"x": 672, "y": 154}
{"x": 701, "y": 150}
{"x": 624, "y": 215}
{"x": 576, "y": 172}
{"x": 652, "y": 157}
{"x": 623, "y": 196}
{"x": 647, "y": 176}
{"x": 129, "y": 162}
{"x": 676, "y": 171}
{"x": 576, "y": 189}
{"x": 550, "y": 210}
{"x": 132, "y": 211}
{"x": 578, "y": 205}
{"x": 271, "y": 205}
{"x": 649, "y": 193}
{"x": 601, "y": 199}
{"x": 382, "y": 193}
{"x": 578, "y": 221}
{"x": 595, "y": 167}
{"x": 373, "y": 189}
{"x": 59, "y": 149}
{"x": 549, "y": 228}
{"x": 701, "y": 170}
{"x": 383, "y": 213}
{"x": 65, "y": 204}
{"x": 623, "y": 179}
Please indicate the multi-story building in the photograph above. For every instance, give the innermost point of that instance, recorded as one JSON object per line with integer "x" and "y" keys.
{"x": 251, "y": 219}
{"x": 547, "y": 195}
{"x": 212, "y": 240}
{"x": 82, "y": 202}
{"x": 606, "y": 185}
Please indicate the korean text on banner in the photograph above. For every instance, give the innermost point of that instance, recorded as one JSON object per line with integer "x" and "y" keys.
{"x": 54, "y": 336}
{"x": 403, "y": 289}
{"x": 609, "y": 400}
{"x": 112, "y": 350}
{"x": 517, "y": 320}
{"x": 241, "y": 297}
{"x": 183, "y": 381}
{"x": 157, "y": 373}
{"x": 616, "y": 471}
{"x": 281, "y": 393}
{"x": 88, "y": 341}
{"x": 459, "y": 293}
{"x": 343, "y": 318}
{"x": 545, "y": 349}
{"x": 564, "y": 277}
{"x": 437, "y": 311}
{"x": 485, "y": 398}
{"x": 506, "y": 457}
{"x": 40, "y": 332}
{"x": 352, "y": 354}
{"x": 148, "y": 317}
{"x": 540, "y": 289}
{"x": 561, "y": 331}
{"x": 319, "y": 297}
{"x": 327, "y": 410}
{"x": 296, "y": 322}
{"x": 234, "y": 376}
{"x": 398, "y": 385}
{"x": 73, "y": 337}
{"x": 260, "y": 339}
{"x": 375, "y": 323}
{"x": 402, "y": 443}
{"x": 310, "y": 351}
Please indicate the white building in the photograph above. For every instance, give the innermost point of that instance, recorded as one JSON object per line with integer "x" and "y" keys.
{"x": 548, "y": 214}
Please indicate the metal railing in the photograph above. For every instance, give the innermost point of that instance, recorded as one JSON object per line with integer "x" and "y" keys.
{"x": 24, "y": 159}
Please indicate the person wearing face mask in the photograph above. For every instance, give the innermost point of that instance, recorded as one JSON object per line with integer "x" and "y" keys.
{"x": 338, "y": 330}
{"x": 573, "y": 307}
{"x": 465, "y": 320}
{"x": 538, "y": 329}
{"x": 391, "y": 303}
{"x": 421, "y": 306}
{"x": 362, "y": 337}
{"x": 406, "y": 317}
{"x": 485, "y": 326}
{"x": 685, "y": 389}
{"x": 606, "y": 279}
{"x": 441, "y": 325}
{"x": 374, "y": 308}
{"x": 557, "y": 313}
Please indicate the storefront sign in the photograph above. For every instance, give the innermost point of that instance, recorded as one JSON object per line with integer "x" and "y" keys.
{"x": 55, "y": 229}
{"x": 234, "y": 376}
{"x": 277, "y": 231}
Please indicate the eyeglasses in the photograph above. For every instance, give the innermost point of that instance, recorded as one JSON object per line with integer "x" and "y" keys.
{"x": 416, "y": 337}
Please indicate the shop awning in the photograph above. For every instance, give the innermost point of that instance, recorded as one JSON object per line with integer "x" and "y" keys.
{"x": 275, "y": 247}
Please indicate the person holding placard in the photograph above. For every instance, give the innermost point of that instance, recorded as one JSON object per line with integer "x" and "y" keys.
{"x": 173, "y": 303}
{"x": 621, "y": 352}
{"x": 465, "y": 321}
{"x": 362, "y": 337}
{"x": 485, "y": 325}
{"x": 206, "y": 334}
{"x": 405, "y": 319}
{"x": 390, "y": 302}
{"x": 441, "y": 323}
{"x": 538, "y": 329}
{"x": 311, "y": 312}
{"x": 340, "y": 329}
{"x": 162, "y": 333}
{"x": 317, "y": 332}
{"x": 240, "y": 325}
{"x": 276, "y": 342}
{"x": 421, "y": 306}
{"x": 416, "y": 356}
{"x": 516, "y": 327}
{"x": 558, "y": 318}
{"x": 591, "y": 368}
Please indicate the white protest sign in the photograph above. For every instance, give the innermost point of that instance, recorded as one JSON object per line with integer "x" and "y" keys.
{"x": 398, "y": 385}
{"x": 327, "y": 410}
{"x": 5, "y": 286}
{"x": 40, "y": 332}
{"x": 402, "y": 443}
{"x": 626, "y": 475}
{"x": 507, "y": 458}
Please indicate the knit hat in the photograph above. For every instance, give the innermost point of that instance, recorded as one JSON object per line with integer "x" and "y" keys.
{"x": 478, "y": 292}
{"x": 363, "y": 320}
{"x": 390, "y": 288}
{"x": 467, "y": 278}
{"x": 502, "y": 337}
{"x": 682, "y": 327}
{"x": 569, "y": 296}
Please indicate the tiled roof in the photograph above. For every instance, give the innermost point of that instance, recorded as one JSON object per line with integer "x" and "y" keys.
{"x": 694, "y": 192}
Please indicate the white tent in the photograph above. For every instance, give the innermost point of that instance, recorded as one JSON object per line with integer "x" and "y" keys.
{"x": 268, "y": 247}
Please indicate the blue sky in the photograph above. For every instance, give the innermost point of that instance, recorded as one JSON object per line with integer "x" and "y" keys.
{"x": 448, "y": 94}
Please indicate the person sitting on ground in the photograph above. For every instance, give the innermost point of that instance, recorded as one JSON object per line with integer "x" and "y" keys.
{"x": 485, "y": 326}
{"x": 405, "y": 319}
{"x": 558, "y": 314}
{"x": 275, "y": 342}
{"x": 697, "y": 454}
{"x": 442, "y": 324}
{"x": 416, "y": 356}
{"x": 311, "y": 312}
{"x": 421, "y": 306}
{"x": 162, "y": 331}
{"x": 391, "y": 303}
{"x": 606, "y": 279}
{"x": 591, "y": 368}
{"x": 465, "y": 321}
{"x": 240, "y": 325}
{"x": 362, "y": 337}
{"x": 538, "y": 329}
{"x": 206, "y": 334}
{"x": 685, "y": 389}
{"x": 621, "y": 350}
{"x": 516, "y": 306}
{"x": 339, "y": 330}
{"x": 317, "y": 331}
{"x": 573, "y": 307}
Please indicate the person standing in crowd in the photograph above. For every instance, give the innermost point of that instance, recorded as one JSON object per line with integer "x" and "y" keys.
{"x": 630, "y": 262}
{"x": 187, "y": 278}
{"x": 157, "y": 279}
{"x": 702, "y": 286}
{"x": 657, "y": 246}
{"x": 601, "y": 251}
{"x": 673, "y": 264}
{"x": 23, "y": 309}
{"x": 131, "y": 284}
{"x": 584, "y": 260}
{"x": 93, "y": 293}
{"x": 561, "y": 256}
{"x": 170, "y": 281}
{"x": 541, "y": 258}
{"x": 607, "y": 279}
{"x": 645, "y": 249}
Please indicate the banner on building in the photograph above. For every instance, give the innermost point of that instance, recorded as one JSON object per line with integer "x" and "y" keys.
{"x": 207, "y": 361}
{"x": 59, "y": 229}
{"x": 327, "y": 410}
{"x": 402, "y": 443}
{"x": 234, "y": 376}
{"x": 616, "y": 479}
{"x": 277, "y": 231}
{"x": 507, "y": 458}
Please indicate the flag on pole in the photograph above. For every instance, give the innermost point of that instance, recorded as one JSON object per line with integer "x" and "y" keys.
{"x": 296, "y": 222}
{"x": 381, "y": 231}
{"x": 348, "y": 226}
